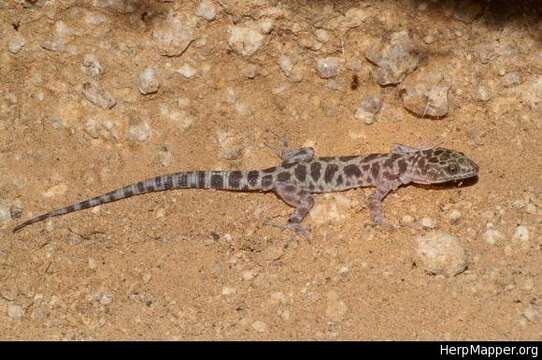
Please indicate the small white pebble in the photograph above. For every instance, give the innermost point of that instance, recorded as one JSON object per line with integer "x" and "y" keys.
{"x": 5, "y": 214}
{"x": 91, "y": 66}
{"x": 407, "y": 220}
{"x": 187, "y": 71}
{"x": 138, "y": 131}
{"x": 521, "y": 233}
{"x": 454, "y": 216}
{"x": 492, "y": 236}
{"x": 266, "y": 26}
{"x": 248, "y": 275}
{"x": 322, "y": 35}
{"x": 440, "y": 253}
{"x": 106, "y": 298}
{"x": 344, "y": 269}
{"x": 328, "y": 67}
{"x": 92, "y": 264}
{"x": 206, "y": 9}
{"x": 15, "y": 312}
{"x": 286, "y": 64}
{"x": 16, "y": 43}
{"x": 146, "y": 278}
{"x": 259, "y": 326}
{"x": 148, "y": 82}
{"x": 228, "y": 291}
{"x": 531, "y": 313}
{"x": 427, "y": 223}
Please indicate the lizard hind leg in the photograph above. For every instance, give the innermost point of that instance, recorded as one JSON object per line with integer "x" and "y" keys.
{"x": 298, "y": 198}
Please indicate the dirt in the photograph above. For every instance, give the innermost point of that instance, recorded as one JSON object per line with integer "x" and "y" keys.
{"x": 204, "y": 264}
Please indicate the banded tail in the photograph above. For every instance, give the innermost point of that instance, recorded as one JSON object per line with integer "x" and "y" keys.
{"x": 221, "y": 180}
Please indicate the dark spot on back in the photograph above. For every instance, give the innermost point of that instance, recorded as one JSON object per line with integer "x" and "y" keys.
{"x": 283, "y": 176}
{"x": 352, "y": 170}
{"x": 128, "y": 192}
{"x": 438, "y": 152}
{"x": 217, "y": 181}
{"x": 389, "y": 176}
{"x": 316, "y": 168}
{"x": 301, "y": 172}
{"x": 340, "y": 179}
{"x": 267, "y": 181}
{"x": 288, "y": 165}
{"x": 158, "y": 181}
{"x": 375, "y": 170}
{"x": 252, "y": 177}
{"x": 331, "y": 169}
{"x": 365, "y": 167}
{"x": 402, "y": 166}
{"x": 235, "y": 179}
{"x": 388, "y": 163}
{"x": 421, "y": 163}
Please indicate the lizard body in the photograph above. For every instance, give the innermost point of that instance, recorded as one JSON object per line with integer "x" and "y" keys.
{"x": 301, "y": 174}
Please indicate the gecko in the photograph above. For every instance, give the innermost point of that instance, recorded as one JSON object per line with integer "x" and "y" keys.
{"x": 300, "y": 175}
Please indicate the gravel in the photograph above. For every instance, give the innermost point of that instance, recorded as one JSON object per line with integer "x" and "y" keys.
{"x": 259, "y": 326}
{"x": 97, "y": 95}
{"x": 521, "y": 233}
{"x": 174, "y": 35}
{"x": 15, "y": 312}
{"x": 328, "y": 67}
{"x": 440, "y": 253}
{"x": 138, "y": 131}
{"x": 206, "y": 9}
{"x": 245, "y": 40}
{"x": 91, "y": 66}
{"x": 5, "y": 213}
{"x": 368, "y": 108}
{"x": 395, "y": 59}
{"x": 16, "y": 43}
{"x": 187, "y": 71}
{"x": 428, "y": 223}
{"x": 147, "y": 82}
{"x": 426, "y": 93}
{"x": 492, "y": 236}
{"x": 454, "y": 216}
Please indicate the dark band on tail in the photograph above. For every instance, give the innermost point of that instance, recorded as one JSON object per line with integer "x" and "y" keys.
{"x": 221, "y": 180}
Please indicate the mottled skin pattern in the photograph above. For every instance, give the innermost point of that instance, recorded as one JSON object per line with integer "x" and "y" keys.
{"x": 301, "y": 174}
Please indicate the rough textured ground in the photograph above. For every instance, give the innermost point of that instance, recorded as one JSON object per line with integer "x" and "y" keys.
{"x": 203, "y": 264}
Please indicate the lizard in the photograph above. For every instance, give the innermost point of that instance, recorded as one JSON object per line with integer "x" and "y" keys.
{"x": 300, "y": 175}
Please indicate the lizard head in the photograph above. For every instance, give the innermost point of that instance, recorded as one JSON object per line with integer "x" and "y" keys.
{"x": 439, "y": 165}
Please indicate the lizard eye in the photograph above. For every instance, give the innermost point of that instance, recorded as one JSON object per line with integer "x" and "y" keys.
{"x": 452, "y": 169}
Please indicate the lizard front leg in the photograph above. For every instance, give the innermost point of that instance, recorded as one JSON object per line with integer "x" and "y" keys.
{"x": 288, "y": 156}
{"x": 298, "y": 198}
{"x": 375, "y": 201}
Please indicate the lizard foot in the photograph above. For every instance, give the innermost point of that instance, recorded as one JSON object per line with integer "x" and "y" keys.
{"x": 296, "y": 228}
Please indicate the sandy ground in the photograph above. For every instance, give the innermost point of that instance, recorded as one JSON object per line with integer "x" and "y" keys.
{"x": 203, "y": 264}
